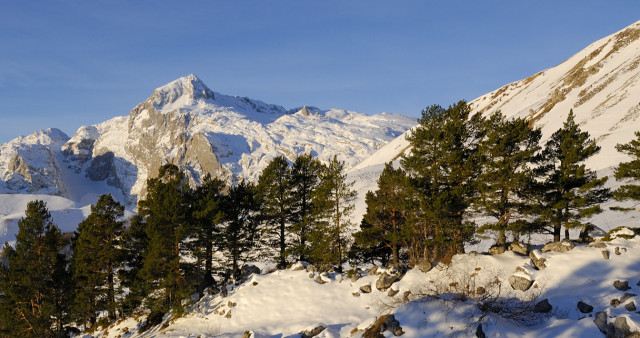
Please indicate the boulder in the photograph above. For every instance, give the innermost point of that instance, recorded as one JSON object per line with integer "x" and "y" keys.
{"x": 598, "y": 244}
{"x": 621, "y": 327}
{"x": 520, "y": 282}
{"x": 365, "y": 288}
{"x": 584, "y": 307}
{"x": 518, "y": 248}
{"x": 563, "y": 246}
{"x": 538, "y": 261}
{"x": 601, "y": 322}
{"x": 312, "y": 333}
{"x": 385, "y": 281}
{"x": 248, "y": 270}
{"x": 631, "y": 306}
{"x": 621, "y": 285}
{"x": 605, "y": 254}
{"x": 496, "y": 249}
{"x": 425, "y": 266}
{"x": 543, "y": 306}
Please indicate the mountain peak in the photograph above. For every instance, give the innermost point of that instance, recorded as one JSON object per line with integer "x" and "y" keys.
{"x": 189, "y": 88}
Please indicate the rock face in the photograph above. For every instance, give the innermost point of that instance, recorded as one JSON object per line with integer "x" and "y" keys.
{"x": 520, "y": 282}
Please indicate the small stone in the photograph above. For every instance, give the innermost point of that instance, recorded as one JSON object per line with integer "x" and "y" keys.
{"x": 518, "y": 248}
{"x": 621, "y": 285}
{"x": 356, "y": 294}
{"x": 631, "y": 306}
{"x": 385, "y": 281}
{"x": 228, "y": 314}
{"x": 392, "y": 292}
{"x": 373, "y": 270}
{"x": 480, "y": 290}
{"x": 615, "y": 302}
{"x": 365, "y": 288}
{"x": 520, "y": 282}
{"x": 406, "y": 294}
{"x": 617, "y": 251}
{"x": 312, "y": 333}
{"x": 584, "y": 307}
{"x": 598, "y": 244}
{"x": 563, "y": 246}
{"x": 496, "y": 250}
{"x": 320, "y": 280}
{"x": 311, "y": 275}
{"x": 538, "y": 261}
{"x": 520, "y": 269}
{"x": 605, "y": 254}
{"x": 231, "y": 304}
{"x": 311, "y": 268}
{"x": 254, "y": 283}
{"x": 425, "y": 266}
{"x": 543, "y": 306}
{"x": 627, "y": 296}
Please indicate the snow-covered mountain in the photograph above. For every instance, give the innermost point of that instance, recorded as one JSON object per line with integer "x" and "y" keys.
{"x": 186, "y": 123}
{"x": 601, "y": 84}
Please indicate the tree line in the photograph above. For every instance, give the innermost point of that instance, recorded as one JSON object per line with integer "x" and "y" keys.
{"x": 186, "y": 240}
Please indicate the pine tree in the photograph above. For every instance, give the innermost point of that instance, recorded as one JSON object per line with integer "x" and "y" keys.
{"x": 240, "y": 233}
{"x": 275, "y": 191}
{"x": 165, "y": 210}
{"x": 629, "y": 171}
{"x": 509, "y": 150}
{"x": 207, "y": 213}
{"x": 569, "y": 191}
{"x": 333, "y": 201}
{"x": 134, "y": 246}
{"x": 443, "y": 165}
{"x": 97, "y": 255}
{"x": 304, "y": 177}
{"x": 34, "y": 285}
{"x": 386, "y": 217}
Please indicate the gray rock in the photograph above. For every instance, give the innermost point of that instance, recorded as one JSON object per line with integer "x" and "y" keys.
{"x": 598, "y": 244}
{"x": 601, "y": 322}
{"x": 605, "y": 254}
{"x": 543, "y": 306}
{"x": 392, "y": 325}
{"x": 425, "y": 266}
{"x": 621, "y": 327}
{"x": 365, "y": 288}
{"x": 518, "y": 248}
{"x": 584, "y": 307}
{"x": 631, "y": 306}
{"x": 627, "y": 296}
{"x": 520, "y": 282}
{"x": 496, "y": 249}
{"x": 621, "y": 285}
{"x": 356, "y": 294}
{"x": 385, "y": 281}
{"x": 538, "y": 261}
{"x": 312, "y": 333}
{"x": 563, "y": 246}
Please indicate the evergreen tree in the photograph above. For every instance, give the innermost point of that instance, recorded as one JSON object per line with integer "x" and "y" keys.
{"x": 386, "y": 217}
{"x": 240, "y": 232}
{"x": 570, "y": 191}
{"x": 96, "y": 257}
{"x": 34, "y": 285}
{"x": 629, "y": 171}
{"x": 443, "y": 165}
{"x": 207, "y": 214}
{"x": 333, "y": 201}
{"x": 275, "y": 191}
{"x": 165, "y": 211}
{"x": 304, "y": 177}
{"x": 134, "y": 245}
{"x": 509, "y": 151}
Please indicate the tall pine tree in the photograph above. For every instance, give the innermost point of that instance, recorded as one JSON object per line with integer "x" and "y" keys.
{"x": 333, "y": 201}
{"x": 97, "y": 255}
{"x": 509, "y": 151}
{"x": 304, "y": 181}
{"x": 33, "y": 287}
{"x": 569, "y": 191}
{"x": 629, "y": 171}
{"x": 443, "y": 165}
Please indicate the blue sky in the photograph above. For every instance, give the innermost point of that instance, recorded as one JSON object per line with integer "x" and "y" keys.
{"x": 65, "y": 64}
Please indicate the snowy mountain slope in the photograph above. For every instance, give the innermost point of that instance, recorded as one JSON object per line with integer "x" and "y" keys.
{"x": 186, "y": 123}
{"x": 601, "y": 84}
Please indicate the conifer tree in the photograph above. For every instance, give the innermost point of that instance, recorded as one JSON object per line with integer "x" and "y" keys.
{"x": 275, "y": 190}
{"x": 240, "y": 234}
{"x": 134, "y": 246}
{"x": 629, "y": 171}
{"x": 509, "y": 151}
{"x": 207, "y": 213}
{"x": 333, "y": 201}
{"x": 304, "y": 177}
{"x": 34, "y": 285}
{"x": 569, "y": 191}
{"x": 97, "y": 255}
{"x": 386, "y": 217}
{"x": 443, "y": 165}
{"x": 165, "y": 211}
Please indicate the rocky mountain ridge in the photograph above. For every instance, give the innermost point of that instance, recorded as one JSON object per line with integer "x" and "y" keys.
{"x": 186, "y": 123}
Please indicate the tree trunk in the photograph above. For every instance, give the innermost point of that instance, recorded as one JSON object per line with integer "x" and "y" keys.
{"x": 556, "y": 232}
